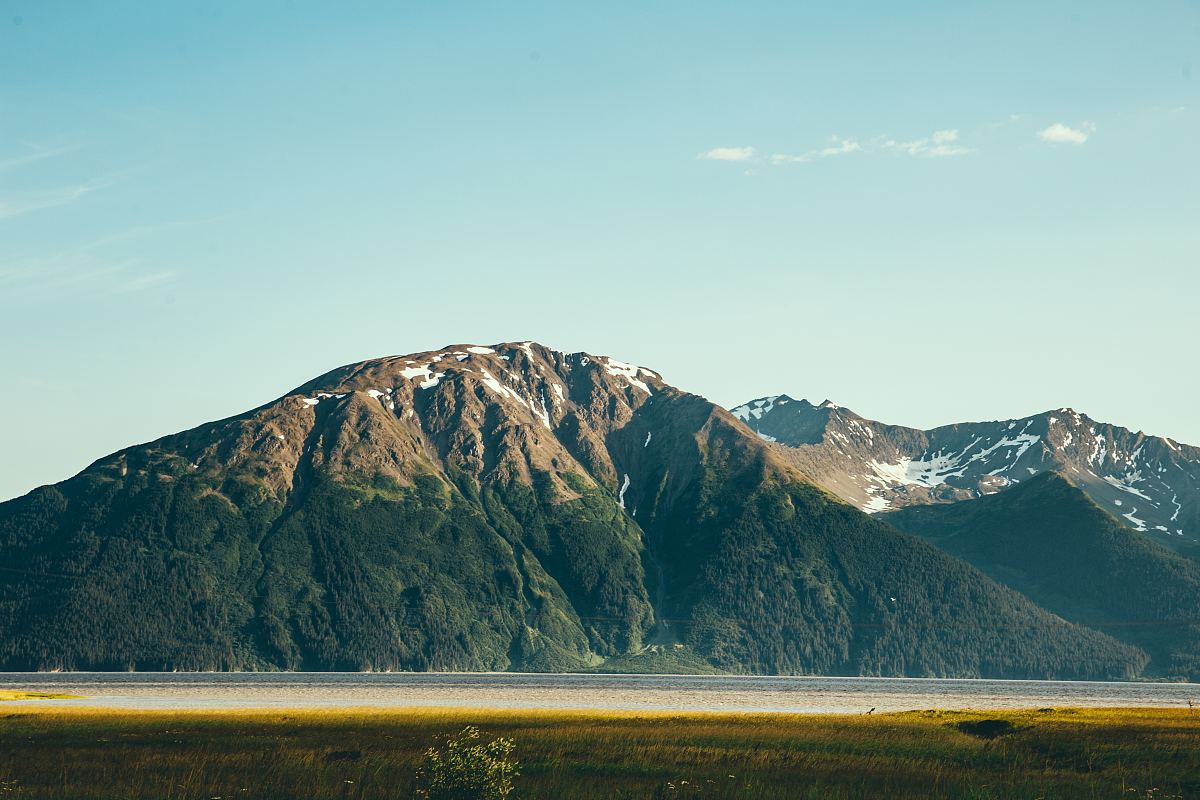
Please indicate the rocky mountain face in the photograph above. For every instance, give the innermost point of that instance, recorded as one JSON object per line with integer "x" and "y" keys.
{"x": 509, "y": 507}
{"x": 1151, "y": 484}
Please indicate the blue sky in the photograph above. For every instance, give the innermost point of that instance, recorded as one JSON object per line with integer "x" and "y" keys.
{"x": 950, "y": 212}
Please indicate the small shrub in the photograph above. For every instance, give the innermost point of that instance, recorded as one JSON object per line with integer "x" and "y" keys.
{"x": 465, "y": 768}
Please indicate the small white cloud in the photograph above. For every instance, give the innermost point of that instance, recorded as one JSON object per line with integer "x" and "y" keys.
{"x": 728, "y": 154}
{"x": 938, "y": 145}
{"x": 840, "y": 147}
{"x": 148, "y": 281}
{"x": 32, "y": 154}
{"x": 1059, "y": 133}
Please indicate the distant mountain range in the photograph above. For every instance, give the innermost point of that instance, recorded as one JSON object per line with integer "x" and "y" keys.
{"x": 514, "y": 507}
{"x": 1150, "y": 483}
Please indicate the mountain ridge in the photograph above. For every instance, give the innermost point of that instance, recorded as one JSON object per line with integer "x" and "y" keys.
{"x": 1153, "y": 482}
{"x": 495, "y": 507}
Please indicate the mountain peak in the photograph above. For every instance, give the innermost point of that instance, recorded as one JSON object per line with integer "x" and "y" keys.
{"x": 524, "y": 360}
{"x": 1147, "y": 482}
{"x": 763, "y": 405}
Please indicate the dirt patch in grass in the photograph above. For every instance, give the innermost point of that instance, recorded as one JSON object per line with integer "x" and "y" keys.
{"x": 986, "y": 728}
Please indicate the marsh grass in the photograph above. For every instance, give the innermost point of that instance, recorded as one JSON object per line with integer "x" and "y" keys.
{"x": 49, "y": 752}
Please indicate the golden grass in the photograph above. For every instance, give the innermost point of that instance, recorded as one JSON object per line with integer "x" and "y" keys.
{"x": 9, "y": 694}
{"x": 59, "y": 752}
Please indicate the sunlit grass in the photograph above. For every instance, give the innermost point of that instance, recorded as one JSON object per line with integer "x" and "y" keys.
{"x": 57, "y": 752}
{"x": 9, "y": 694}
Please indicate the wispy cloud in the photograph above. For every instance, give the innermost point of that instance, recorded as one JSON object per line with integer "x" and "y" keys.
{"x": 728, "y": 154}
{"x": 15, "y": 203}
{"x": 940, "y": 144}
{"x": 140, "y": 283}
{"x": 32, "y": 154}
{"x": 95, "y": 267}
{"x": 61, "y": 271}
{"x": 839, "y": 147}
{"x": 1058, "y": 133}
{"x": 937, "y": 145}
{"x": 80, "y": 274}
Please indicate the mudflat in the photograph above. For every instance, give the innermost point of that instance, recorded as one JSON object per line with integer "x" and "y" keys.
{"x": 232, "y": 690}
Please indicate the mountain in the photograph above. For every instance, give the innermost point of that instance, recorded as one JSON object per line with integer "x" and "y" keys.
{"x": 1151, "y": 483}
{"x": 1048, "y": 540}
{"x": 496, "y": 508}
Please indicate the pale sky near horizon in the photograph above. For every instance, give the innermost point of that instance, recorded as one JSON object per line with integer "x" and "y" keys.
{"x": 944, "y": 213}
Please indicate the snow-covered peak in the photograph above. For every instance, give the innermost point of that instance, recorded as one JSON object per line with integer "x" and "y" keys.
{"x": 882, "y": 467}
{"x": 755, "y": 408}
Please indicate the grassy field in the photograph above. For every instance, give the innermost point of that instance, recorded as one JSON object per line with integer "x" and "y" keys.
{"x": 48, "y": 752}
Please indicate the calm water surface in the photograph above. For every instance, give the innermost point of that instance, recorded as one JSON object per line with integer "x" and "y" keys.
{"x": 144, "y": 690}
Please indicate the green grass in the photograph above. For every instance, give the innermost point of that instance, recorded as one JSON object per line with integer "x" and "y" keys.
{"x": 49, "y": 752}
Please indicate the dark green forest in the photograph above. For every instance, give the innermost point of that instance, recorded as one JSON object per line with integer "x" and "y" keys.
{"x": 1049, "y": 541}
{"x": 162, "y": 570}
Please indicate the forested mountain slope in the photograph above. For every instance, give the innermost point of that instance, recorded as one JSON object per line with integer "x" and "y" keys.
{"x": 1048, "y": 540}
{"x": 494, "y": 508}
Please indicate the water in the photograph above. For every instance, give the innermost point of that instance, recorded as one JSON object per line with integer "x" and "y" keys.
{"x": 183, "y": 691}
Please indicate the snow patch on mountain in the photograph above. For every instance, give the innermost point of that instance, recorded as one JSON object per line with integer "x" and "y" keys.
{"x": 540, "y": 412}
{"x": 935, "y": 469}
{"x": 755, "y": 408}
{"x": 876, "y": 504}
{"x": 629, "y": 372}
{"x": 915, "y": 472}
{"x": 423, "y": 371}
{"x": 1126, "y": 484}
{"x": 1138, "y": 524}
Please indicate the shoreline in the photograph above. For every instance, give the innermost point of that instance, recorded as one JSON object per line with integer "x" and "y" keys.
{"x": 317, "y": 713}
{"x": 533, "y": 691}
{"x": 367, "y": 674}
